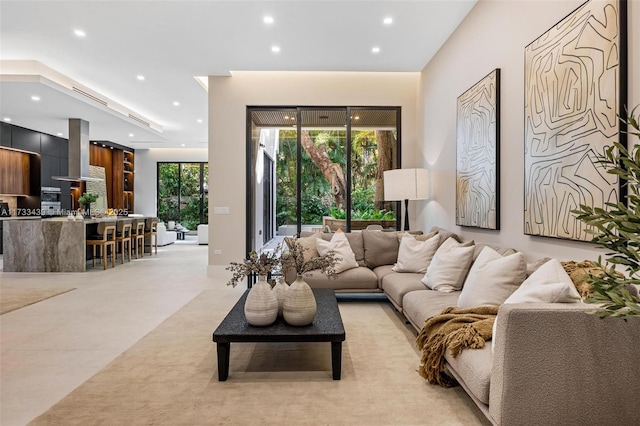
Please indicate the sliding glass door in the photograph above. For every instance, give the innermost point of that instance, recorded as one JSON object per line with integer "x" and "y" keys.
{"x": 312, "y": 168}
{"x": 182, "y": 193}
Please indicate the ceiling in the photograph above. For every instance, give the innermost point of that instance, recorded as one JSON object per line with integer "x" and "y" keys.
{"x": 171, "y": 42}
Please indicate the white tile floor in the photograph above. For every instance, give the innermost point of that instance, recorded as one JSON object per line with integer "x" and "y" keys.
{"x": 51, "y": 347}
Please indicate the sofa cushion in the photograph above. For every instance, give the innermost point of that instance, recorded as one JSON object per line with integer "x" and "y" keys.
{"x": 501, "y": 250}
{"x": 449, "y": 266}
{"x": 549, "y": 284}
{"x": 381, "y": 272}
{"x": 354, "y": 238}
{"x": 359, "y": 278}
{"x": 415, "y": 255}
{"x": 308, "y": 244}
{"x": 380, "y": 248}
{"x": 492, "y": 278}
{"x": 419, "y": 305}
{"x": 444, "y": 235}
{"x": 340, "y": 245}
{"x": 396, "y": 285}
{"x": 474, "y": 368}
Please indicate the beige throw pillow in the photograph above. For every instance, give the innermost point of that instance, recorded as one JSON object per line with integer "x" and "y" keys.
{"x": 449, "y": 266}
{"x": 492, "y": 279}
{"x": 380, "y": 248}
{"x": 414, "y": 255}
{"x": 340, "y": 245}
{"x": 307, "y": 243}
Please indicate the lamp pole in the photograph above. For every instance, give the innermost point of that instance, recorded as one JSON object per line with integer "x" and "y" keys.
{"x": 406, "y": 214}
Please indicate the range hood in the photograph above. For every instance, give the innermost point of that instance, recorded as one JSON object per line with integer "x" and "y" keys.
{"x": 78, "y": 153}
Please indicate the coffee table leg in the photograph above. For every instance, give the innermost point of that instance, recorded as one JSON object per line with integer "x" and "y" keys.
{"x": 336, "y": 359}
{"x": 223, "y": 360}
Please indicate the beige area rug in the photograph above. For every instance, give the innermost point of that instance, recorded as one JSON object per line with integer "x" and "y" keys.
{"x": 170, "y": 378}
{"x": 16, "y": 298}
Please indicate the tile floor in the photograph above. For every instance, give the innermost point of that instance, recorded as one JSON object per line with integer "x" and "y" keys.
{"x": 53, "y": 346}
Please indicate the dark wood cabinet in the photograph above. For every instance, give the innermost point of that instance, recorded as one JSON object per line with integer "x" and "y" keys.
{"x": 118, "y": 165}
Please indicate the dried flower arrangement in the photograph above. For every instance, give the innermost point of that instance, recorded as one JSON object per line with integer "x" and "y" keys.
{"x": 295, "y": 260}
{"x": 260, "y": 264}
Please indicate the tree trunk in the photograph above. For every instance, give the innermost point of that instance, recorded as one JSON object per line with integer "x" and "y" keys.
{"x": 386, "y": 143}
{"x": 331, "y": 171}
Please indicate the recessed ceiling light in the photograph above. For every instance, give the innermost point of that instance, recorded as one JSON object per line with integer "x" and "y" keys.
{"x": 387, "y": 21}
{"x": 140, "y": 77}
{"x": 130, "y": 135}
{"x": 95, "y": 143}
{"x": 59, "y": 133}
{"x": 176, "y": 103}
{"x": 357, "y": 117}
{"x": 183, "y": 145}
{"x": 110, "y": 147}
{"x": 275, "y": 49}
{"x": 7, "y": 119}
{"x": 268, "y": 19}
{"x": 375, "y": 50}
{"x": 79, "y": 33}
{"x": 199, "y": 120}
{"x": 35, "y": 98}
{"x": 104, "y": 146}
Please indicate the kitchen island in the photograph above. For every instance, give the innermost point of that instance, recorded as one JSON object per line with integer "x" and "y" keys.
{"x": 47, "y": 245}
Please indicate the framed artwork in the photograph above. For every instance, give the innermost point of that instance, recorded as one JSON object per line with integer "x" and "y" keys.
{"x": 477, "y": 154}
{"x": 575, "y": 88}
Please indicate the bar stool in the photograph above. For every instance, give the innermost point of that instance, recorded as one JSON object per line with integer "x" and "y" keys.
{"x": 123, "y": 237}
{"x": 108, "y": 234}
{"x": 137, "y": 235}
{"x": 151, "y": 231}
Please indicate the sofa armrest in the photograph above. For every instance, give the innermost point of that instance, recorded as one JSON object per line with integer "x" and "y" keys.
{"x": 555, "y": 364}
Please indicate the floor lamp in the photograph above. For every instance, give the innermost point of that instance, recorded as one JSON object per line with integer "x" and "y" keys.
{"x": 406, "y": 184}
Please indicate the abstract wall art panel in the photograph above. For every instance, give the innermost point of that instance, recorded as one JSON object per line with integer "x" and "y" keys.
{"x": 575, "y": 87}
{"x": 477, "y": 151}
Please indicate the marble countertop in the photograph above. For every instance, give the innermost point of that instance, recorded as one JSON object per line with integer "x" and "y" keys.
{"x": 20, "y": 217}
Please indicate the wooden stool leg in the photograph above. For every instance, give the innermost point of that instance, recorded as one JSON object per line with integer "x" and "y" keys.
{"x": 94, "y": 256}
{"x": 104, "y": 255}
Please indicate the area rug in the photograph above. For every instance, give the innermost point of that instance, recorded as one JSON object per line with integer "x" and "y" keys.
{"x": 16, "y": 298}
{"x": 170, "y": 378}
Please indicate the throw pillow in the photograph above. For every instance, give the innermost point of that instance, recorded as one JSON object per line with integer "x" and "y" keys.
{"x": 340, "y": 245}
{"x": 380, "y": 248}
{"x": 549, "y": 284}
{"x": 492, "y": 279}
{"x": 414, "y": 255}
{"x": 449, "y": 266}
{"x": 308, "y": 244}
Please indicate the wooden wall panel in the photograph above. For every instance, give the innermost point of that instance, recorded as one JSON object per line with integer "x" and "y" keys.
{"x": 14, "y": 172}
{"x": 103, "y": 157}
{"x": 118, "y": 179}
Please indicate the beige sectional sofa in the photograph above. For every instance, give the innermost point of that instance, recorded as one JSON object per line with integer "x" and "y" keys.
{"x": 552, "y": 363}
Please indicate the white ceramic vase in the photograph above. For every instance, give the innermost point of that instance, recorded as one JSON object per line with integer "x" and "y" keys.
{"x": 299, "y": 303}
{"x": 261, "y": 306}
{"x": 280, "y": 289}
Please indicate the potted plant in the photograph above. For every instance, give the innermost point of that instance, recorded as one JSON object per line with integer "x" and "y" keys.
{"x": 617, "y": 228}
{"x": 86, "y": 199}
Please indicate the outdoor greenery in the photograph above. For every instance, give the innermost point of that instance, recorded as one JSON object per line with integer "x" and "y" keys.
{"x": 318, "y": 198}
{"x": 617, "y": 228}
{"x": 179, "y": 193}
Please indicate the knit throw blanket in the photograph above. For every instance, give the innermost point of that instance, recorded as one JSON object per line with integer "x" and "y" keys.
{"x": 454, "y": 329}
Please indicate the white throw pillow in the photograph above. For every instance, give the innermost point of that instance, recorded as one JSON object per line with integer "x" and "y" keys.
{"x": 449, "y": 267}
{"x": 340, "y": 245}
{"x": 492, "y": 279}
{"x": 415, "y": 256}
{"x": 548, "y": 284}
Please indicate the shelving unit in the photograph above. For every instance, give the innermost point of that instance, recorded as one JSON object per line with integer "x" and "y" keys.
{"x": 128, "y": 176}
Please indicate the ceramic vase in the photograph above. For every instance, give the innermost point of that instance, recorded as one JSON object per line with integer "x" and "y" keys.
{"x": 280, "y": 289}
{"x": 261, "y": 306}
{"x": 299, "y": 303}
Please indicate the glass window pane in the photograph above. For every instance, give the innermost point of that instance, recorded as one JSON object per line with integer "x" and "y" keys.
{"x": 168, "y": 192}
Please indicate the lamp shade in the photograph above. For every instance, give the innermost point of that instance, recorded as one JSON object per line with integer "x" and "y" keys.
{"x": 406, "y": 184}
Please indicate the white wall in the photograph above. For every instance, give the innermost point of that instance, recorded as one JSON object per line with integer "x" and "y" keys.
{"x": 494, "y": 35}
{"x": 228, "y": 100}
{"x": 146, "y": 173}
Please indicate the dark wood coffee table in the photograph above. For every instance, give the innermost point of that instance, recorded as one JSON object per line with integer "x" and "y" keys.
{"x": 326, "y": 327}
